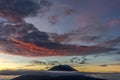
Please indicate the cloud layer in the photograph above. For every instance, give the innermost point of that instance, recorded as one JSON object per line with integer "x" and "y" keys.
{"x": 28, "y": 41}
{"x": 20, "y": 38}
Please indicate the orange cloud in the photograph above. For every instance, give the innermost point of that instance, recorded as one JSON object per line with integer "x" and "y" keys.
{"x": 32, "y": 48}
{"x": 22, "y": 48}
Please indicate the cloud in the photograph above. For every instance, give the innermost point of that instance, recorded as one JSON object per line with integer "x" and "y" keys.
{"x": 104, "y": 65}
{"x": 21, "y": 7}
{"x": 114, "y": 64}
{"x": 38, "y": 49}
{"x": 71, "y": 61}
{"x": 78, "y": 60}
{"x": 39, "y": 63}
{"x": 15, "y": 10}
{"x": 25, "y": 40}
{"x": 65, "y": 11}
{"x": 48, "y": 63}
{"x": 69, "y": 11}
{"x": 93, "y": 26}
{"x": 81, "y": 35}
{"x": 84, "y": 60}
{"x": 34, "y": 43}
{"x": 96, "y": 33}
{"x": 92, "y": 38}
{"x": 111, "y": 43}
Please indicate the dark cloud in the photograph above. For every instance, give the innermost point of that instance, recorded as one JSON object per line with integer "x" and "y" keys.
{"x": 78, "y": 60}
{"x": 84, "y": 60}
{"x": 45, "y": 6}
{"x": 48, "y": 63}
{"x": 54, "y": 19}
{"x": 69, "y": 11}
{"x": 37, "y": 44}
{"x": 25, "y": 40}
{"x": 75, "y": 35}
{"x": 90, "y": 38}
{"x": 53, "y": 49}
{"x": 53, "y": 63}
{"x": 39, "y": 63}
{"x": 114, "y": 64}
{"x": 74, "y": 59}
{"x": 22, "y": 8}
{"x": 66, "y": 37}
{"x": 111, "y": 43}
{"x": 105, "y": 65}
{"x": 99, "y": 36}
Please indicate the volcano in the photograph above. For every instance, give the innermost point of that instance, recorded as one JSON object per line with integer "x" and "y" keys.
{"x": 51, "y": 74}
{"x": 62, "y": 68}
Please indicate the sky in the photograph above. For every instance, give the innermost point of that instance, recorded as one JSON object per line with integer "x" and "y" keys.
{"x": 43, "y": 33}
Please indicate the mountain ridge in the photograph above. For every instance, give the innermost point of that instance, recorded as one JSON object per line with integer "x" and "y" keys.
{"x": 58, "y": 76}
{"x": 62, "y": 68}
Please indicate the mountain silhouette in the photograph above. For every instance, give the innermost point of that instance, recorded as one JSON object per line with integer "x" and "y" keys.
{"x": 63, "y": 77}
{"x": 57, "y": 76}
{"x": 62, "y": 68}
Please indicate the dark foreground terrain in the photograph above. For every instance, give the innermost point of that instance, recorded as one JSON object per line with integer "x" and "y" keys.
{"x": 64, "y": 77}
{"x": 60, "y": 72}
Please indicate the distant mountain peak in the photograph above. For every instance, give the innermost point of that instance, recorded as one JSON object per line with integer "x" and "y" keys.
{"x": 62, "y": 68}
